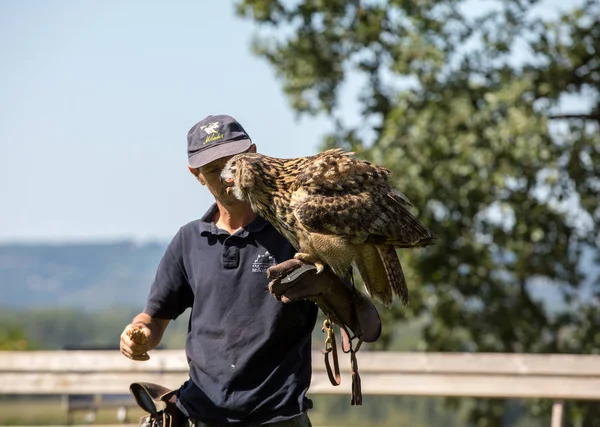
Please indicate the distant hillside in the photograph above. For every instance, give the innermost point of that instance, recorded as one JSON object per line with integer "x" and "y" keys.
{"x": 89, "y": 276}
{"x": 95, "y": 276}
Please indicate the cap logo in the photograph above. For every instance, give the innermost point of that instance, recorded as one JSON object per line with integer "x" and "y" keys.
{"x": 212, "y": 131}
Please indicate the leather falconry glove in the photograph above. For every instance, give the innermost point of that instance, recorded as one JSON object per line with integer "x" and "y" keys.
{"x": 341, "y": 303}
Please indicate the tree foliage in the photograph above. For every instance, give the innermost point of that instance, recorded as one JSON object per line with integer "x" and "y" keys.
{"x": 488, "y": 115}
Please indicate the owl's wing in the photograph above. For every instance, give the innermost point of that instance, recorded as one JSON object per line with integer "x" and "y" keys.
{"x": 352, "y": 198}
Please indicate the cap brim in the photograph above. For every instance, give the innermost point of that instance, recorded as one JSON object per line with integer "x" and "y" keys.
{"x": 218, "y": 151}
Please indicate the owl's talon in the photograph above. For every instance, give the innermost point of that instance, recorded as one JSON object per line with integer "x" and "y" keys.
{"x": 320, "y": 267}
{"x": 310, "y": 259}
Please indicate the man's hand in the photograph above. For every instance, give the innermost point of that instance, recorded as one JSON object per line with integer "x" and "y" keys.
{"x": 277, "y": 274}
{"x": 135, "y": 342}
{"x": 143, "y": 334}
{"x": 339, "y": 300}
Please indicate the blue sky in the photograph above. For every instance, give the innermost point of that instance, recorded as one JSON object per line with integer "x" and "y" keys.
{"x": 97, "y": 98}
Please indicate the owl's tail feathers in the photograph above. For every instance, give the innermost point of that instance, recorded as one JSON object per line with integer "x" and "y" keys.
{"x": 373, "y": 273}
{"x": 424, "y": 238}
{"x": 426, "y": 241}
{"x": 393, "y": 270}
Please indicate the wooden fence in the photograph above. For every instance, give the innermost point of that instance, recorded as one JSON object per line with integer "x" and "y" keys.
{"x": 491, "y": 375}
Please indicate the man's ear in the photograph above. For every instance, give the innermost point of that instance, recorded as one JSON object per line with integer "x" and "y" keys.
{"x": 196, "y": 173}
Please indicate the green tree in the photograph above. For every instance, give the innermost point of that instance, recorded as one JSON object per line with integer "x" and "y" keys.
{"x": 488, "y": 118}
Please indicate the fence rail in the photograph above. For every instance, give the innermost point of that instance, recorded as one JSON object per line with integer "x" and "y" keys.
{"x": 493, "y": 375}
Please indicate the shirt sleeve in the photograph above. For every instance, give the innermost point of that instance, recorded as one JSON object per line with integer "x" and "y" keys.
{"x": 170, "y": 293}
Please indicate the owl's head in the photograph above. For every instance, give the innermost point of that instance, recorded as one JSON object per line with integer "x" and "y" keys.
{"x": 240, "y": 175}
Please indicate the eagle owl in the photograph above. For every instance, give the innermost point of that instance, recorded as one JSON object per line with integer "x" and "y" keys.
{"x": 335, "y": 210}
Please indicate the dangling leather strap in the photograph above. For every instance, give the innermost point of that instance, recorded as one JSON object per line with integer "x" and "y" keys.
{"x": 330, "y": 347}
{"x": 347, "y": 348}
{"x": 334, "y": 374}
{"x": 356, "y": 385}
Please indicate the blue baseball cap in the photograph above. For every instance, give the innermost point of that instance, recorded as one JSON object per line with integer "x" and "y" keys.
{"x": 215, "y": 137}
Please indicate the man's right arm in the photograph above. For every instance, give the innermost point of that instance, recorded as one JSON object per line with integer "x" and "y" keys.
{"x": 153, "y": 328}
{"x": 170, "y": 295}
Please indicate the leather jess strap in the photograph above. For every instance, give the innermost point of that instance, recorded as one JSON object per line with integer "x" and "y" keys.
{"x": 334, "y": 374}
{"x": 331, "y": 347}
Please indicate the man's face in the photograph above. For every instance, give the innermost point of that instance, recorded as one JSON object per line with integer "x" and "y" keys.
{"x": 210, "y": 174}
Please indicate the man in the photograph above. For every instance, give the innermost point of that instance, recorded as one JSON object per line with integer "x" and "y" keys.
{"x": 249, "y": 354}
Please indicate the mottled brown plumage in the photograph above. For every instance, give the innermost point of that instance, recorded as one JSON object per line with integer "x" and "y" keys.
{"x": 335, "y": 210}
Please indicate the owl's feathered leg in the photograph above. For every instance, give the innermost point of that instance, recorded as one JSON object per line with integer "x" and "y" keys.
{"x": 373, "y": 273}
{"x": 393, "y": 269}
{"x": 310, "y": 259}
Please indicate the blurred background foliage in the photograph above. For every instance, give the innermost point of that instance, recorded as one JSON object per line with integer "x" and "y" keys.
{"x": 487, "y": 114}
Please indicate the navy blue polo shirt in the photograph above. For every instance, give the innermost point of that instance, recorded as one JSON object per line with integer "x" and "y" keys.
{"x": 249, "y": 354}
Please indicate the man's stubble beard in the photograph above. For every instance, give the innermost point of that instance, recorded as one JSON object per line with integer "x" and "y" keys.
{"x": 228, "y": 200}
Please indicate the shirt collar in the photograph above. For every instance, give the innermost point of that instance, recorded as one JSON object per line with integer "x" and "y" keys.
{"x": 208, "y": 226}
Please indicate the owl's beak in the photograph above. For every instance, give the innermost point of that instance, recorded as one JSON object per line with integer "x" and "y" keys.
{"x": 229, "y": 183}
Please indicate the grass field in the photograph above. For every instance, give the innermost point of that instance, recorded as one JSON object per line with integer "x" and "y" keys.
{"x": 51, "y": 411}
{"x": 329, "y": 411}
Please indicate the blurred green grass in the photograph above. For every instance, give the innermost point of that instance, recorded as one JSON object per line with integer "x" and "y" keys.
{"x": 329, "y": 411}
{"x": 380, "y": 411}
{"x": 51, "y": 411}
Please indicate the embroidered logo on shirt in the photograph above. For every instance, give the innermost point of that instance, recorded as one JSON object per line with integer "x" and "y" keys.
{"x": 263, "y": 262}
